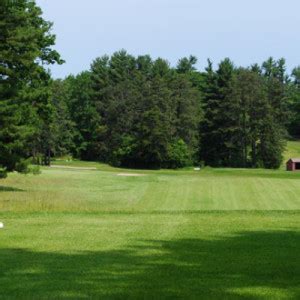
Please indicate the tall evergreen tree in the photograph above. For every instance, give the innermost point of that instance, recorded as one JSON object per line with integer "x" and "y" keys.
{"x": 25, "y": 46}
{"x": 294, "y": 103}
{"x": 210, "y": 143}
{"x": 220, "y": 124}
{"x": 64, "y": 127}
{"x": 83, "y": 112}
{"x": 276, "y": 82}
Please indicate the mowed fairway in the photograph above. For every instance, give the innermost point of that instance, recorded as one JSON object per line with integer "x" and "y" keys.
{"x": 212, "y": 234}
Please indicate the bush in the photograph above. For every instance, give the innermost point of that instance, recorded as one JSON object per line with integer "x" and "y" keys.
{"x": 3, "y": 173}
{"x": 123, "y": 155}
{"x": 178, "y": 155}
{"x": 23, "y": 166}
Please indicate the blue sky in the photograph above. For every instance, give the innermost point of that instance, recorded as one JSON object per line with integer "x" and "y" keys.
{"x": 247, "y": 31}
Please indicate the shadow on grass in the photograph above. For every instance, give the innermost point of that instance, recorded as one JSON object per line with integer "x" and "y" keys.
{"x": 250, "y": 265}
{"x": 9, "y": 189}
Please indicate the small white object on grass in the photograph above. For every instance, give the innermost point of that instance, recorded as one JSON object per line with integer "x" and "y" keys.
{"x": 197, "y": 169}
{"x": 1, "y": 225}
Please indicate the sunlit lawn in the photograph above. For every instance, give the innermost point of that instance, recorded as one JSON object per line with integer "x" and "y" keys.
{"x": 212, "y": 234}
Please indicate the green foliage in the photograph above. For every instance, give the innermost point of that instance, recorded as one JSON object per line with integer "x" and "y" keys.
{"x": 186, "y": 65}
{"x": 63, "y": 126}
{"x": 244, "y": 115}
{"x": 136, "y": 111}
{"x": 178, "y": 154}
{"x": 293, "y": 96}
{"x": 88, "y": 129}
{"x": 3, "y": 173}
{"x": 127, "y": 111}
{"x": 23, "y": 166}
{"x": 219, "y": 125}
{"x": 271, "y": 146}
{"x": 25, "y": 110}
{"x": 124, "y": 152}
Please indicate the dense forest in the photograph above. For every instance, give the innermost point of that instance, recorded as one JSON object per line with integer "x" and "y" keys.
{"x": 137, "y": 112}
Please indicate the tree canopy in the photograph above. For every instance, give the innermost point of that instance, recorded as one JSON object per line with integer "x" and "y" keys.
{"x": 137, "y": 112}
{"x": 25, "y": 110}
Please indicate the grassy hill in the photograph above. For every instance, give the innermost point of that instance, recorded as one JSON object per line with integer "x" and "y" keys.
{"x": 292, "y": 150}
{"x": 209, "y": 234}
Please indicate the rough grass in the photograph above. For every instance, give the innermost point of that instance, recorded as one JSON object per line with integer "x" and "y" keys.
{"x": 213, "y": 234}
{"x": 292, "y": 151}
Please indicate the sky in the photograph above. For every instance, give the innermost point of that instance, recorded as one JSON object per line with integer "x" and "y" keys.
{"x": 247, "y": 31}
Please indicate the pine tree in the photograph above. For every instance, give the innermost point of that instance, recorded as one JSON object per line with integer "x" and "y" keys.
{"x": 25, "y": 46}
{"x": 220, "y": 123}
{"x": 250, "y": 91}
{"x": 228, "y": 119}
{"x": 276, "y": 82}
{"x": 83, "y": 112}
{"x": 209, "y": 151}
{"x": 294, "y": 103}
{"x": 186, "y": 102}
{"x": 64, "y": 126}
{"x": 154, "y": 130}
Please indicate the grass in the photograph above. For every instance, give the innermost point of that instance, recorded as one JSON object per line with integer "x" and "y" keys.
{"x": 139, "y": 255}
{"x": 292, "y": 150}
{"x": 213, "y": 234}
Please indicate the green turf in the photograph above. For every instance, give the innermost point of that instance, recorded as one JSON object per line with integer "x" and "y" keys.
{"x": 75, "y": 190}
{"x": 202, "y": 255}
{"x": 213, "y": 234}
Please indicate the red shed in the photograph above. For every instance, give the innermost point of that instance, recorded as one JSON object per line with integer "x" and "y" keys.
{"x": 293, "y": 164}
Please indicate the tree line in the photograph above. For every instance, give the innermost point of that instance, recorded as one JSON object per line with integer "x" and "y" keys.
{"x": 138, "y": 112}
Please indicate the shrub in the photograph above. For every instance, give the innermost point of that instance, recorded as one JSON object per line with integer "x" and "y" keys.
{"x": 122, "y": 156}
{"x": 23, "y": 166}
{"x": 178, "y": 155}
{"x": 3, "y": 173}
{"x": 35, "y": 170}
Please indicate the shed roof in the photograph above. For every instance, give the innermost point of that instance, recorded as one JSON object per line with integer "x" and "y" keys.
{"x": 295, "y": 160}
